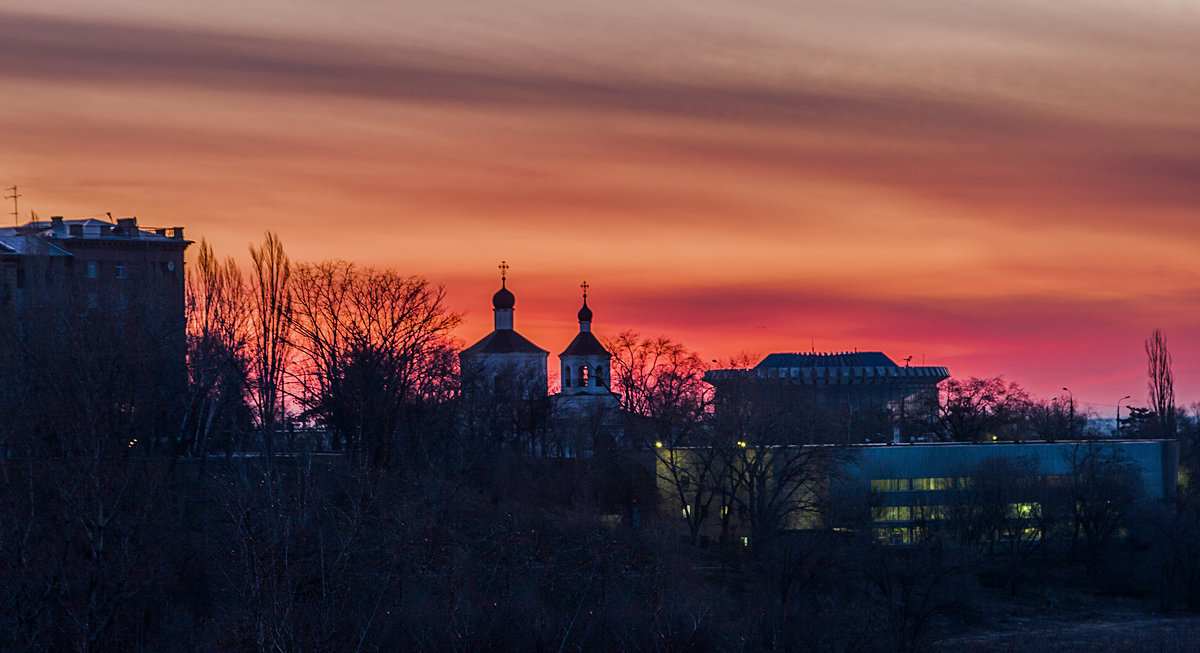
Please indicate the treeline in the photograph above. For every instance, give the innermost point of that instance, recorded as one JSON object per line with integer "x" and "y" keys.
{"x": 315, "y": 480}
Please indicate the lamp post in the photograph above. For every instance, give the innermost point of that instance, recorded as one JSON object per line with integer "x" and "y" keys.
{"x": 1119, "y": 415}
{"x": 1071, "y": 419}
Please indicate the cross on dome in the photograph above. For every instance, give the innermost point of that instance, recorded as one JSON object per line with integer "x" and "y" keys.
{"x": 503, "y": 300}
{"x": 585, "y": 313}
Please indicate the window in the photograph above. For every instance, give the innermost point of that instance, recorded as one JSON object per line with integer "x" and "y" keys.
{"x": 93, "y": 269}
{"x": 120, "y": 270}
{"x": 889, "y": 485}
{"x": 583, "y": 376}
{"x": 891, "y": 513}
{"x": 934, "y": 483}
{"x": 925, "y": 513}
{"x": 566, "y": 377}
{"x": 599, "y": 376}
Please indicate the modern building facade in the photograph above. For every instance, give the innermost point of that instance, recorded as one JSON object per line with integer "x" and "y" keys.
{"x": 908, "y": 492}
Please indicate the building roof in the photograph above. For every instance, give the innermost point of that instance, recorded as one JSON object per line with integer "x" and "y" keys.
{"x": 845, "y": 359}
{"x": 125, "y": 229}
{"x": 844, "y": 368}
{"x": 585, "y": 344}
{"x": 11, "y": 243}
{"x": 504, "y": 341}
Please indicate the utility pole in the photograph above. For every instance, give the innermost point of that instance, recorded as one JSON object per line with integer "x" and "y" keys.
{"x": 16, "y": 212}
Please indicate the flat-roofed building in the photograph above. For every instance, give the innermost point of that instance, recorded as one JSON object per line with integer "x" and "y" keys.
{"x": 93, "y": 314}
{"x": 848, "y": 397}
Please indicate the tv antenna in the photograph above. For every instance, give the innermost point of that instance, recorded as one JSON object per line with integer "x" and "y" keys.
{"x": 907, "y": 361}
{"x": 16, "y": 212}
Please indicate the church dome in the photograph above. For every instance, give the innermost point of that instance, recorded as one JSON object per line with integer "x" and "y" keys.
{"x": 503, "y": 299}
{"x": 585, "y": 313}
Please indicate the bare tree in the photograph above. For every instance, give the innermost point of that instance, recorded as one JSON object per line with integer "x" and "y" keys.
{"x": 975, "y": 409}
{"x": 780, "y": 488}
{"x": 1104, "y": 490}
{"x": 693, "y": 480}
{"x": 372, "y": 344}
{"x": 662, "y": 389}
{"x": 911, "y": 588}
{"x": 271, "y": 301}
{"x": 218, "y": 319}
{"x": 1161, "y": 382}
{"x": 663, "y": 381}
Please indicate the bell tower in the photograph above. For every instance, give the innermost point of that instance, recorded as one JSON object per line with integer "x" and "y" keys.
{"x": 585, "y": 362}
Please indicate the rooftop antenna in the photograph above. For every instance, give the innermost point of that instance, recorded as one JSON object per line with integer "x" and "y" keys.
{"x": 907, "y": 361}
{"x": 15, "y": 212}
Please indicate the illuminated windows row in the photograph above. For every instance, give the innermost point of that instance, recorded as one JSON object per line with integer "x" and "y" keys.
{"x": 910, "y": 513}
{"x": 1030, "y": 510}
{"x": 907, "y": 484}
{"x": 961, "y": 483}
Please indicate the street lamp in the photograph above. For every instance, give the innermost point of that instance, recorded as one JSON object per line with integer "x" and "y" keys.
{"x": 1071, "y": 420}
{"x": 1119, "y": 415}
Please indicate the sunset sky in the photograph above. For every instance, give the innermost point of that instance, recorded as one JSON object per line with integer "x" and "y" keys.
{"x": 1004, "y": 188}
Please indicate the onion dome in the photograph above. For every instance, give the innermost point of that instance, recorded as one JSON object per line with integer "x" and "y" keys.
{"x": 503, "y": 299}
